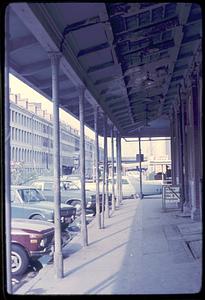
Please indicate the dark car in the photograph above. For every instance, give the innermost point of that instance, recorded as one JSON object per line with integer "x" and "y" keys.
{"x": 30, "y": 239}
{"x": 29, "y": 203}
{"x": 70, "y": 194}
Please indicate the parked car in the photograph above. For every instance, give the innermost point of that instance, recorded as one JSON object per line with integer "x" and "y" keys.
{"x": 30, "y": 239}
{"x": 29, "y": 203}
{"x": 149, "y": 187}
{"x": 70, "y": 194}
{"x": 128, "y": 190}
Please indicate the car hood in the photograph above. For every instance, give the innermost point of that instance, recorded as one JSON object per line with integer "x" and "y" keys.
{"x": 28, "y": 225}
{"x": 50, "y": 205}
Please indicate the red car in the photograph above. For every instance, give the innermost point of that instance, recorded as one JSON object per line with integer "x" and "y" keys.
{"x": 30, "y": 240}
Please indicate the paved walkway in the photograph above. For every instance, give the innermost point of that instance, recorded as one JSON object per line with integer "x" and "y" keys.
{"x": 142, "y": 250}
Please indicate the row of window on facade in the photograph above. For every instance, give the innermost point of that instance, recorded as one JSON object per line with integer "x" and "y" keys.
{"x": 31, "y": 156}
{"x": 28, "y": 137}
{"x": 31, "y": 123}
{"x": 28, "y": 156}
{"x": 21, "y": 136}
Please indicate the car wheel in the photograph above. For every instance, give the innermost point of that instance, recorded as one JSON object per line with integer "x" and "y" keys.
{"x": 19, "y": 260}
{"x": 37, "y": 217}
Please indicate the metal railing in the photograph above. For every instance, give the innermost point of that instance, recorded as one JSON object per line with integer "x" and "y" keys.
{"x": 170, "y": 197}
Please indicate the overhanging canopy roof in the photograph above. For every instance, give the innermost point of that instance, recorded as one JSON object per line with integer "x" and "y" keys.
{"x": 130, "y": 56}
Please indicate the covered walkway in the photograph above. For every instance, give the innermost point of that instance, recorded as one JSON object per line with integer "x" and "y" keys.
{"x": 142, "y": 250}
{"x": 125, "y": 70}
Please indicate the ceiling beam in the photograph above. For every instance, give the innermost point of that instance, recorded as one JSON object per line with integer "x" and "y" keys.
{"x": 22, "y": 42}
{"x": 100, "y": 67}
{"x": 93, "y": 49}
{"x": 45, "y": 84}
{"x": 36, "y": 67}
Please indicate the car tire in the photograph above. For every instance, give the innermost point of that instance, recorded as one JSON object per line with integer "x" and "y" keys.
{"x": 19, "y": 260}
{"x": 37, "y": 217}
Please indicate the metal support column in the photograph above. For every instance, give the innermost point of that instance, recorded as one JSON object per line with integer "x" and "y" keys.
{"x": 7, "y": 157}
{"x": 181, "y": 150}
{"x": 120, "y": 168}
{"x": 195, "y": 211}
{"x": 106, "y": 169}
{"x": 58, "y": 258}
{"x": 118, "y": 172}
{"x": 172, "y": 150}
{"x": 82, "y": 167}
{"x": 98, "y": 217}
{"x": 141, "y": 193}
{"x": 112, "y": 170}
{"x": 103, "y": 182}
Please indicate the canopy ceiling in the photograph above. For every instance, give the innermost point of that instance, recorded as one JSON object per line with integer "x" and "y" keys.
{"x": 130, "y": 56}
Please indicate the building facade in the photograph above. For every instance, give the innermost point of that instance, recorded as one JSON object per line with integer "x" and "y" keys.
{"x": 31, "y": 131}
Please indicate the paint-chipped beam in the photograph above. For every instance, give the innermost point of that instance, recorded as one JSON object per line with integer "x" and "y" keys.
{"x": 93, "y": 49}
{"x": 100, "y": 67}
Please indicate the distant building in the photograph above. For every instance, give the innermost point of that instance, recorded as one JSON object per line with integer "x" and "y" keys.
{"x": 32, "y": 140}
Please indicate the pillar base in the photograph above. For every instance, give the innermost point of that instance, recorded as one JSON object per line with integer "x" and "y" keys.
{"x": 186, "y": 208}
{"x": 58, "y": 263}
{"x": 195, "y": 214}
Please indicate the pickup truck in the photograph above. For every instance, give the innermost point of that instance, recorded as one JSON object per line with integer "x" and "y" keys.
{"x": 29, "y": 203}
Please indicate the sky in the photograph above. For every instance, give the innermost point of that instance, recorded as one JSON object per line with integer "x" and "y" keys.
{"x": 128, "y": 148}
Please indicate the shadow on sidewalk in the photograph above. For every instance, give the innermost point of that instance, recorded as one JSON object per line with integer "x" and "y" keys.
{"x": 92, "y": 260}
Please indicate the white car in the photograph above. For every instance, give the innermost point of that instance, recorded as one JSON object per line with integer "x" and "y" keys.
{"x": 149, "y": 187}
{"x": 128, "y": 190}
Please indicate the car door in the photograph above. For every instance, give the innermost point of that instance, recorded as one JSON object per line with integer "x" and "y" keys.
{"x": 17, "y": 206}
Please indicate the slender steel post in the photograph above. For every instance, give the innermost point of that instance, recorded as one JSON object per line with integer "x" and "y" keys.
{"x": 112, "y": 170}
{"x": 97, "y": 169}
{"x": 182, "y": 158}
{"x": 82, "y": 167}
{"x": 7, "y": 157}
{"x": 106, "y": 169}
{"x": 118, "y": 172}
{"x": 104, "y": 166}
{"x": 141, "y": 193}
{"x": 120, "y": 169}
{"x": 58, "y": 258}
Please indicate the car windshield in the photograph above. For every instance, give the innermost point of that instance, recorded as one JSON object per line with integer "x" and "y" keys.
{"x": 31, "y": 195}
{"x": 68, "y": 185}
{"x": 124, "y": 181}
